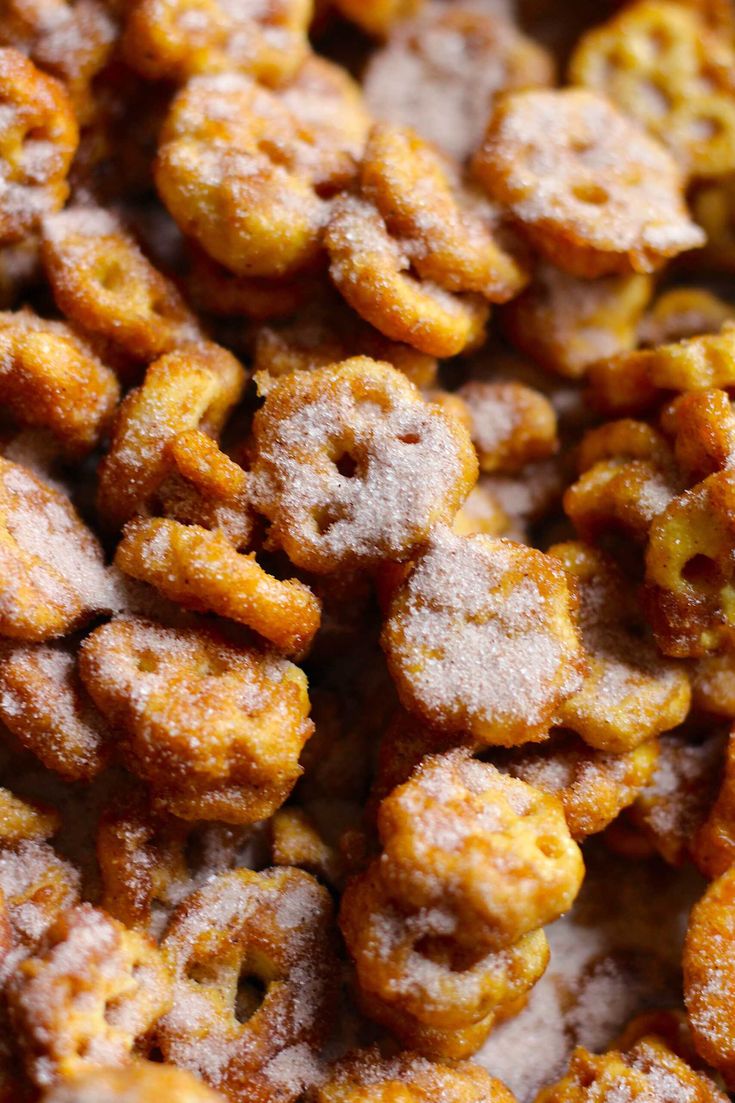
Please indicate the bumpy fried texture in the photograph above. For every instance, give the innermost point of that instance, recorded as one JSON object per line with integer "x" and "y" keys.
{"x": 511, "y": 424}
{"x": 91, "y": 991}
{"x": 244, "y": 930}
{"x": 217, "y": 730}
{"x": 714, "y": 844}
{"x": 20, "y": 819}
{"x": 140, "y": 1082}
{"x": 295, "y": 841}
{"x": 592, "y": 192}
{"x": 480, "y": 638}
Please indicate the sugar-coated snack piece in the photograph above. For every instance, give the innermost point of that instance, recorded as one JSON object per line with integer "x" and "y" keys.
{"x": 38, "y": 139}
{"x": 703, "y": 426}
{"x": 176, "y": 39}
{"x": 709, "y": 980}
{"x": 104, "y": 284}
{"x": 661, "y": 64}
{"x": 481, "y": 513}
{"x": 566, "y": 323}
{"x": 51, "y": 379}
{"x": 683, "y": 312}
{"x": 215, "y": 728}
{"x": 140, "y": 1082}
{"x": 90, "y": 992}
{"x": 296, "y": 841}
{"x": 21, "y": 819}
{"x": 489, "y": 855}
{"x": 714, "y": 844}
{"x": 326, "y": 100}
{"x": 630, "y": 693}
{"x": 203, "y": 571}
{"x": 377, "y": 17}
{"x": 441, "y": 72}
{"x": 366, "y": 1076}
{"x": 192, "y": 388}
{"x": 53, "y": 575}
{"x": 713, "y": 684}
{"x": 590, "y": 189}
{"x": 254, "y": 983}
{"x": 214, "y": 289}
{"x": 480, "y": 638}
{"x": 351, "y": 467}
{"x": 511, "y": 424}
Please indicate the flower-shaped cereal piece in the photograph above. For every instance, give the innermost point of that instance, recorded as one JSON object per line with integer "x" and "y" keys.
{"x": 659, "y": 62}
{"x": 512, "y": 424}
{"x": 441, "y": 73}
{"x": 203, "y": 571}
{"x": 254, "y": 983}
{"x": 489, "y": 854}
{"x": 216, "y": 729}
{"x": 105, "y": 285}
{"x": 53, "y": 575}
{"x": 365, "y": 1076}
{"x": 566, "y": 323}
{"x": 51, "y": 379}
{"x": 480, "y": 638}
{"x": 91, "y": 991}
{"x": 352, "y": 467}
{"x": 176, "y": 39}
{"x": 683, "y": 312}
{"x": 589, "y": 188}
{"x": 714, "y": 843}
{"x": 140, "y": 1082}
{"x": 38, "y": 139}
{"x": 378, "y": 17}
{"x": 630, "y": 692}
{"x": 709, "y": 979}
{"x": 192, "y": 388}
{"x": 21, "y": 820}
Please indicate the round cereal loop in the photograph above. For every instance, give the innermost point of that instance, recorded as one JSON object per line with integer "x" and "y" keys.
{"x": 163, "y": 688}
{"x": 53, "y": 575}
{"x": 176, "y": 39}
{"x": 21, "y": 819}
{"x": 44, "y": 705}
{"x": 592, "y": 192}
{"x": 203, "y": 571}
{"x": 378, "y": 17}
{"x": 480, "y": 638}
{"x": 714, "y": 844}
{"x": 702, "y": 424}
{"x": 351, "y": 467}
{"x": 683, "y": 312}
{"x": 91, "y": 991}
{"x": 441, "y": 72}
{"x": 593, "y": 786}
{"x": 140, "y": 1082}
{"x": 371, "y": 270}
{"x": 365, "y": 1076}
{"x": 660, "y": 64}
{"x": 51, "y": 379}
{"x": 689, "y": 569}
{"x": 254, "y": 983}
{"x": 38, "y": 139}
{"x": 630, "y": 692}
{"x": 489, "y": 855}
{"x": 566, "y": 324}
{"x": 511, "y": 424}
{"x": 192, "y": 388}
{"x": 104, "y": 284}
{"x": 709, "y": 981}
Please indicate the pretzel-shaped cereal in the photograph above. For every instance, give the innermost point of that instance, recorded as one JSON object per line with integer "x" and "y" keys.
{"x": 137, "y": 1083}
{"x": 709, "y": 984}
{"x": 351, "y": 467}
{"x": 273, "y": 929}
{"x": 592, "y": 192}
{"x": 38, "y": 139}
{"x": 511, "y": 424}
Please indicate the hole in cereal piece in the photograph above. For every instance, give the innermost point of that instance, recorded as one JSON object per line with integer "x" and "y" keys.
{"x": 201, "y": 972}
{"x": 346, "y": 464}
{"x": 251, "y": 991}
{"x": 654, "y": 98}
{"x": 704, "y": 128}
{"x": 112, "y": 277}
{"x": 593, "y": 194}
{"x": 410, "y": 438}
{"x": 148, "y": 662}
{"x": 702, "y": 571}
{"x": 326, "y": 517}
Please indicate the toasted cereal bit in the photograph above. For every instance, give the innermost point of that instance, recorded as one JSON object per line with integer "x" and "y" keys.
{"x": 511, "y": 424}
{"x": 683, "y": 312}
{"x": 21, "y": 820}
{"x": 713, "y": 847}
{"x": 378, "y": 17}
{"x": 137, "y": 1083}
{"x": 297, "y": 842}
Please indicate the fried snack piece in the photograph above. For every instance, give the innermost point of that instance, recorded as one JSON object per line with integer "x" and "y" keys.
{"x": 88, "y": 995}
{"x": 441, "y": 73}
{"x": 254, "y": 983}
{"x": 593, "y": 786}
{"x": 140, "y": 1082}
{"x": 660, "y": 63}
{"x": 592, "y": 192}
{"x": 433, "y": 995}
{"x": 378, "y": 17}
{"x": 176, "y": 39}
{"x": 38, "y": 139}
{"x": 630, "y": 693}
{"x": 192, "y": 388}
{"x": 714, "y": 844}
{"x": 327, "y": 101}
{"x": 53, "y": 574}
{"x": 217, "y": 730}
{"x": 650, "y": 1070}
{"x": 480, "y": 638}
{"x": 213, "y": 289}
{"x": 713, "y": 684}
{"x": 295, "y": 841}
{"x": 201, "y": 570}
{"x": 105, "y": 285}
{"x": 683, "y": 312}
{"x": 511, "y": 424}
{"x": 20, "y": 819}
{"x": 489, "y": 855}
{"x": 709, "y": 986}
{"x": 351, "y": 467}
{"x": 365, "y": 1076}
{"x": 481, "y": 513}
{"x": 44, "y": 705}
{"x": 703, "y": 426}
{"x": 566, "y": 324}
{"x": 51, "y": 379}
